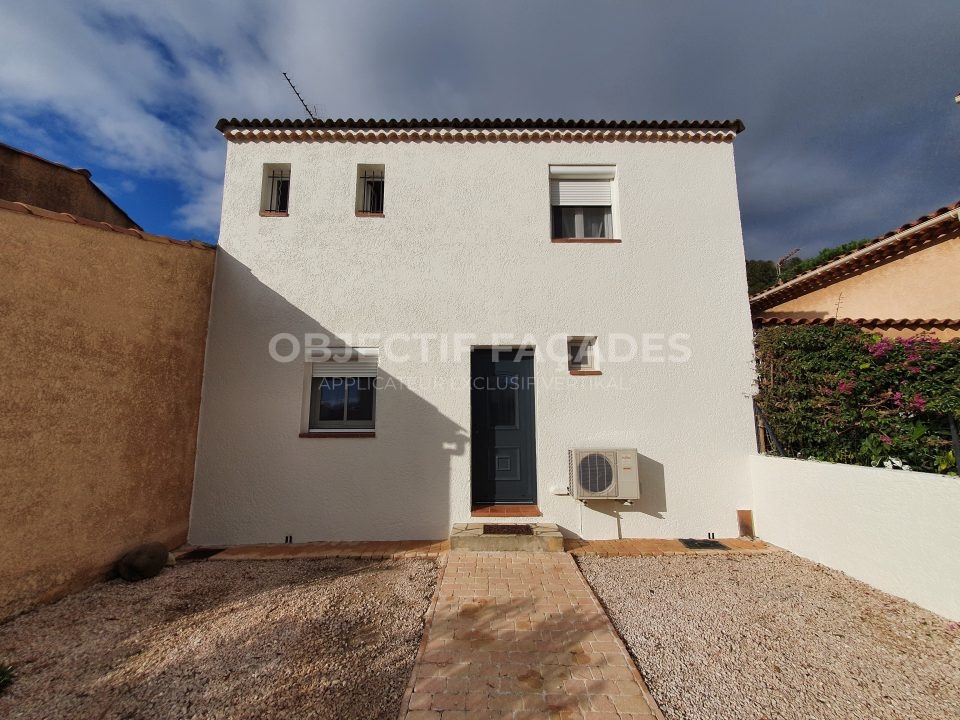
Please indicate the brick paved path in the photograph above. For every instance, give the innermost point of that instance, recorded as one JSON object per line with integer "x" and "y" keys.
{"x": 520, "y": 635}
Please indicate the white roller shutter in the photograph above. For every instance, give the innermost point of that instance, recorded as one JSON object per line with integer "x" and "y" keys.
{"x": 343, "y": 362}
{"x": 580, "y": 192}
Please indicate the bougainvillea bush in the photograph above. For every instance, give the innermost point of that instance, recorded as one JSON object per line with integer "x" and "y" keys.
{"x": 837, "y": 394}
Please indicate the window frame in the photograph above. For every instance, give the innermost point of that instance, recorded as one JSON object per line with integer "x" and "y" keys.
{"x": 368, "y": 173}
{"x": 343, "y": 363}
{"x": 584, "y": 174}
{"x": 270, "y": 196}
{"x": 588, "y": 365}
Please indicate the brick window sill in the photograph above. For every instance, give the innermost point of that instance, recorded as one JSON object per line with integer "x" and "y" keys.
{"x": 594, "y": 241}
{"x": 586, "y": 372}
{"x": 268, "y": 213}
{"x": 358, "y": 213}
{"x": 335, "y": 434}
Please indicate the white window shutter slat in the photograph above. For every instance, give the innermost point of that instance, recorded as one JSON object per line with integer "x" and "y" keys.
{"x": 343, "y": 362}
{"x": 580, "y": 192}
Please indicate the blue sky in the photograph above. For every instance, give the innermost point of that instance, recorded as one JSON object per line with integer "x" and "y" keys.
{"x": 851, "y": 125}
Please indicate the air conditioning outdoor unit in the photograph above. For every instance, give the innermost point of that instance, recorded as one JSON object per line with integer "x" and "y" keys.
{"x": 604, "y": 474}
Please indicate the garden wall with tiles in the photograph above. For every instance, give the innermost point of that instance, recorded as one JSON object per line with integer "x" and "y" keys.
{"x": 101, "y": 363}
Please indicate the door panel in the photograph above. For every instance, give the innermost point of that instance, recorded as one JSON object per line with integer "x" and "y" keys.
{"x": 503, "y": 433}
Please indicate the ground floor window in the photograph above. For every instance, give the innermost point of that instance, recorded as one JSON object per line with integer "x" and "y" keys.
{"x": 343, "y": 388}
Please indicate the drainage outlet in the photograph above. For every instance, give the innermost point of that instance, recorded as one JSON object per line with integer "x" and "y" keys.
{"x": 703, "y": 544}
{"x": 201, "y": 553}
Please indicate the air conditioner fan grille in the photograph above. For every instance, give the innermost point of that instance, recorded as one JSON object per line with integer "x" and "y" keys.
{"x": 596, "y": 473}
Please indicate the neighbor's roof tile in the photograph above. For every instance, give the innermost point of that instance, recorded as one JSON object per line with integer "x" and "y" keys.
{"x": 24, "y": 209}
{"x": 859, "y": 322}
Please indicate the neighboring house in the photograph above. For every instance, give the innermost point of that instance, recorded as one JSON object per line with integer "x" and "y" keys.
{"x": 418, "y": 248}
{"x": 901, "y": 283}
{"x": 36, "y": 181}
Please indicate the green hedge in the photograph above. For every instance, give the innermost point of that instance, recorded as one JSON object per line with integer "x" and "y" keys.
{"x": 834, "y": 393}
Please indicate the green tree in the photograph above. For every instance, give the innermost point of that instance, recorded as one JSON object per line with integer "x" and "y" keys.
{"x": 761, "y": 274}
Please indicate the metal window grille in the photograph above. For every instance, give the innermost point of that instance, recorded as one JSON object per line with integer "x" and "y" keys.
{"x": 372, "y": 184}
{"x": 279, "y": 190}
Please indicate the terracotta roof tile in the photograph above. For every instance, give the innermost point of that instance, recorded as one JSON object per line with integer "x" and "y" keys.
{"x": 482, "y": 124}
{"x": 24, "y": 209}
{"x": 859, "y": 322}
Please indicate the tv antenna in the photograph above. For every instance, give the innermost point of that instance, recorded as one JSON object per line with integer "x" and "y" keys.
{"x": 782, "y": 260}
{"x": 311, "y": 109}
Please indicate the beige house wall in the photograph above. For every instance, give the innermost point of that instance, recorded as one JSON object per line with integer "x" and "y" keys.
{"x": 920, "y": 285}
{"x": 100, "y": 364}
{"x": 36, "y": 181}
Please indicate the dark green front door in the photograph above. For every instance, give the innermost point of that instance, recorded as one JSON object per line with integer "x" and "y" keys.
{"x": 503, "y": 436}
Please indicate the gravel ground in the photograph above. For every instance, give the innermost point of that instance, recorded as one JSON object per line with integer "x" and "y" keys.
{"x": 745, "y": 637}
{"x": 278, "y": 639}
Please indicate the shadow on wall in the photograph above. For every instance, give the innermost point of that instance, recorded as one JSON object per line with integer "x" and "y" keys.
{"x": 258, "y": 481}
{"x": 652, "y": 500}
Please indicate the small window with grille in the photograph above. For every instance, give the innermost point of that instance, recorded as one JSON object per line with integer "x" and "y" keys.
{"x": 581, "y": 355}
{"x": 275, "y": 196}
{"x": 370, "y": 187}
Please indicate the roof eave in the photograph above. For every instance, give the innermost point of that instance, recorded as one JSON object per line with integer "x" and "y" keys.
{"x": 225, "y": 124}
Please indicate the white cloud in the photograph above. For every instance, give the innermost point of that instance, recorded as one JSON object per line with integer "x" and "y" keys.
{"x": 843, "y": 107}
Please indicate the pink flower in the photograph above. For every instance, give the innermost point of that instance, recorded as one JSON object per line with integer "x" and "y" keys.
{"x": 880, "y": 348}
{"x": 845, "y": 388}
{"x": 885, "y": 439}
{"x": 918, "y": 403}
{"x": 898, "y": 398}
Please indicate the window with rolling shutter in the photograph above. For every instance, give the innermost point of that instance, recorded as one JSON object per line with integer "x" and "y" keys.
{"x": 342, "y": 388}
{"x": 581, "y": 199}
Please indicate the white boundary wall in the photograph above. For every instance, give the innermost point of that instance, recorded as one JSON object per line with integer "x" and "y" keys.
{"x": 898, "y": 531}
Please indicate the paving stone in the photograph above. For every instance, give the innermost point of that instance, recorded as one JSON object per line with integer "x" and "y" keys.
{"x": 520, "y": 634}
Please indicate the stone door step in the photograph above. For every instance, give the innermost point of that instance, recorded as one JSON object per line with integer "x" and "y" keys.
{"x": 541, "y": 537}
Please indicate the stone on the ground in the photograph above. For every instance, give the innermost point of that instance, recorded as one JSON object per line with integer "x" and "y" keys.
{"x": 144, "y": 561}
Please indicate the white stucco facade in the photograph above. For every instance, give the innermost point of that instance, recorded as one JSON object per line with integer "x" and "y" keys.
{"x": 464, "y": 247}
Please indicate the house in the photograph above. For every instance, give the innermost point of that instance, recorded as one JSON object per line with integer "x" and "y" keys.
{"x": 901, "y": 283}
{"x": 36, "y": 181}
{"x": 414, "y": 321}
